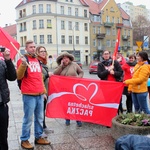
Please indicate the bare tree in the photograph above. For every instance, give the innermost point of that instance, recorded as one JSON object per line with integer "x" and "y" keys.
{"x": 141, "y": 28}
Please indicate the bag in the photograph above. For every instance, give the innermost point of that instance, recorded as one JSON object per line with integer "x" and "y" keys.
{"x": 20, "y": 81}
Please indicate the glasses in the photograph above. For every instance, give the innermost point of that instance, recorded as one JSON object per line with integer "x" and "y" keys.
{"x": 42, "y": 51}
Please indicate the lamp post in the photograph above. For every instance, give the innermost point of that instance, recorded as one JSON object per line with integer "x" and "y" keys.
{"x": 73, "y": 41}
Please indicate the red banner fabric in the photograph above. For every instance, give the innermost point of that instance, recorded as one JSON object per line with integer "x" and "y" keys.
{"x": 5, "y": 41}
{"x": 82, "y": 99}
{"x": 117, "y": 44}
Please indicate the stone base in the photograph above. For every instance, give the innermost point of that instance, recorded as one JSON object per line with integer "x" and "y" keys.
{"x": 119, "y": 129}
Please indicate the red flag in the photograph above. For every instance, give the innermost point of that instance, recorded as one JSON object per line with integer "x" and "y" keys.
{"x": 83, "y": 99}
{"x": 5, "y": 41}
{"x": 117, "y": 45}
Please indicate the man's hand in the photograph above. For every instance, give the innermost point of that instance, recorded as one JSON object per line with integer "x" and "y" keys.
{"x": 6, "y": 54}
{"x": 24, "y": 61}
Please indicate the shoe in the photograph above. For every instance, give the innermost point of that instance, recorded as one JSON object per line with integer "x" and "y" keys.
{"x": 47, "y": 130}
{"x": 42, "y": 141}
{"x": 79, "y": 123}
{"x": 67, "y": 122}
{"x": 44, "y": 135}
{"x": 26, "y": 145}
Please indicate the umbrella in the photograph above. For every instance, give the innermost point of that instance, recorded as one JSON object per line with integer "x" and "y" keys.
{"x": 9, "y": 42}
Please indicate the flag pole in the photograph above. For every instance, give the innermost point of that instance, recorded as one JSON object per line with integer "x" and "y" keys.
{"x": 19, "y": 52}
{"x": 116, "y": 47}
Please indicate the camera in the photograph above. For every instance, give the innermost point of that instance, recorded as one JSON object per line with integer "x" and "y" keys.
{"x": 2, "y": 49}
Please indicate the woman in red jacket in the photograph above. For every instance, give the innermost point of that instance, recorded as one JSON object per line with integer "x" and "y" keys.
{"x": 128, "y": 69}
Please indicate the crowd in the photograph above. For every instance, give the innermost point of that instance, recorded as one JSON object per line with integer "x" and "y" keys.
{"x": 32, "y": 70}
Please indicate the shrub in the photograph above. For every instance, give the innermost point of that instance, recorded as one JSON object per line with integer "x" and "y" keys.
{"x": 134, "y": 119}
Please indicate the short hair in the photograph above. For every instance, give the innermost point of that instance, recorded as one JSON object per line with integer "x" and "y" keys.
{"x": 28, "y": 42}
{"x": 132, "y": 56}
{"x": 106, "y": 51}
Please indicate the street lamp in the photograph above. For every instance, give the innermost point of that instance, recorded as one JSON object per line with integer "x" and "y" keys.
{"x": 73, "y": 41}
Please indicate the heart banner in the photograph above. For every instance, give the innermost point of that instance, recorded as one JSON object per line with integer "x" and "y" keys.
{"x": 83, "y": 99}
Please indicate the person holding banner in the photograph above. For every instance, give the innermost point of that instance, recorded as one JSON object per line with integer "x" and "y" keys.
{"x": 107, "y": 71}
{"x": 33, "y": 90}
{"x": 138, "y": 83}
{"x": 128, "y": 69}
{"x": 66, "y": 67}
{"x": 7, "y": 72}
{"x": 42, "y": 57}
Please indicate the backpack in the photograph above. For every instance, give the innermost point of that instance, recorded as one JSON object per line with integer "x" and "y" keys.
{"x": 20, "y": 81}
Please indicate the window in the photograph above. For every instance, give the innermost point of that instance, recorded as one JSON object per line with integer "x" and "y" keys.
{"x": 86, "y": 40}
{"x": 128, "y": 32}
{"x": 41, "y": 24}
{"x": 85, "y": 27}
{"x": 94, "y": 30}
{"x": 113, "y": 43}
{"x": 49, "y": 23}
{"x": 40, "y": 8}
{"x": 49, "y": 39}
{"x": 98, "y": 30}
{"x": 107, "y": 19}
{"x": 70, "y": 25}
{"x": 113, "y": 31}
{"x": 34, "y": 24}
{"x": 113, "y": 19}
{"x": 62, "y": 25}
{"x": 94, "y": 42}
{"x": 77, "y": 39}
{"x": 107, "y": 31}
{"x": 118, "y": 20}
{"x": 35, "y": 39}
{"x": 108, "y": 43}
{"x": 70, "y": 39}
{"x": 62, "y": 39}
{"x": 85, "y": 13}
{"x": 76, "y": 12}
{"x": 48, "y": 8}
{"x": 69, "y": 11}
{"x": 77, "y": 26}
{"x": 62, "y": 10}
{"x": 41, "y": 39}
{"x": 34, "y": 9}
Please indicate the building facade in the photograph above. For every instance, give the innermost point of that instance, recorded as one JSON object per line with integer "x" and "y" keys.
{"x": 106, "y": 18}
{"x": 135, "y": 11}
{"x": 59, "y": 25}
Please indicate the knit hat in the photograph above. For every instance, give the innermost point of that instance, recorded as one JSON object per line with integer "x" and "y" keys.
{"x": 60, "y": 57}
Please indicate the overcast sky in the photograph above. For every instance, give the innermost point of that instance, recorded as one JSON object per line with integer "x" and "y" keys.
{"x": 8, "y": 12}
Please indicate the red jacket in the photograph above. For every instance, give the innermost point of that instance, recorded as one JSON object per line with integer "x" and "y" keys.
{"x": 33, "y": 83}
{"x": 128, "y": 71}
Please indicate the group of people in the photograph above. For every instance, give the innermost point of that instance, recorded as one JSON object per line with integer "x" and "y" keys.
{"x": 134, "y": 73}
{"x": 33, "y": 72}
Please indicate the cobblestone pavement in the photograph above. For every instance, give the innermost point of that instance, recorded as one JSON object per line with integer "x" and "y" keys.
{"x": 88, "y": 137}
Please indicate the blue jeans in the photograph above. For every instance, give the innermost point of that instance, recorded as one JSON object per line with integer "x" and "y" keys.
{"x": 32, "y": 105}
{"x": 140, "y": 102}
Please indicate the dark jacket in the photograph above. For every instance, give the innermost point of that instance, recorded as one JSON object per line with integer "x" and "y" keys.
{"x": 103, "y": 73}
{"x": 7, "y": 71}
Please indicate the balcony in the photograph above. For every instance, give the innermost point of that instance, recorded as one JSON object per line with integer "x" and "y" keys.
{"x": 100, "y": 35}
{"x": 119, "y": 25}
{"x": 125, "y": 37}
{"x": 108, "y": 24}
{"x": 125, "y": 48}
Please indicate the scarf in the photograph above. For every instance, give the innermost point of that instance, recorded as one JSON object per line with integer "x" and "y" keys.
{"x": 131, "y": 63}
{"x": 43, "y": 60}
{"x": 107, "y": 62}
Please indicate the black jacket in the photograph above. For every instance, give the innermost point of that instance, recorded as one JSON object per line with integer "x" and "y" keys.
{"x": 7, "y": 71}
{"x": 103, "y": 73}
